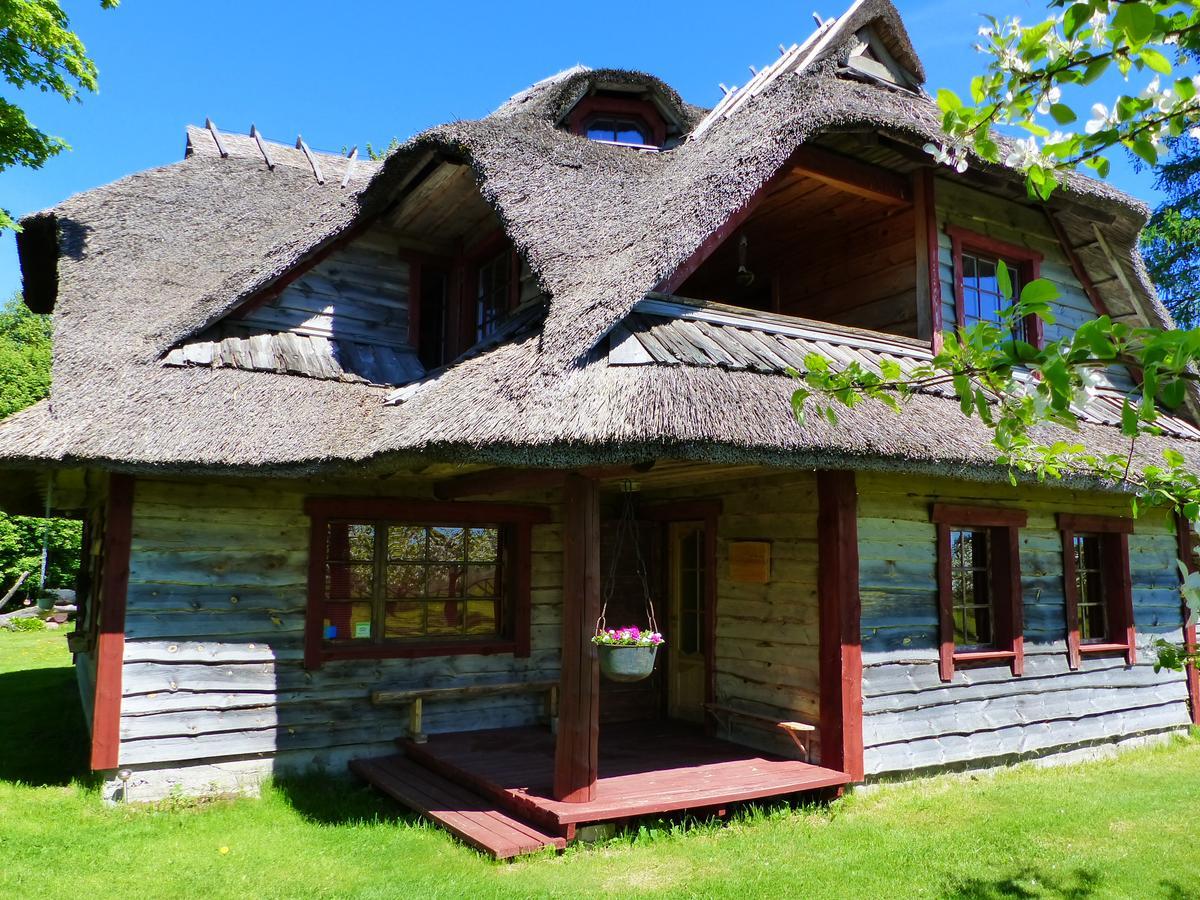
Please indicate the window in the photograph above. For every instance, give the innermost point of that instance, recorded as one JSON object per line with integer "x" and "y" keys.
{"x": 1096, "y": 586}
{"x": 410, "y": 578}
{"x": 979, "y": 586}
{"x": 977, "y": 296}
{"x": 620, "y": 131}
{"x": 493, "y": 293}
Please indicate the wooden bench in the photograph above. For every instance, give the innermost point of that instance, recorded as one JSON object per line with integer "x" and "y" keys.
{"x": 797, "y": 731}
{"x": 415, "y": 698}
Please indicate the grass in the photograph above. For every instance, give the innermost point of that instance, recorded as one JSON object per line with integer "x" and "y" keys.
{"x": 1118, "y": 828}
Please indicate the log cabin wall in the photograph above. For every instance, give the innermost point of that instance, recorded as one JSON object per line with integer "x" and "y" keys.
{"x": 215, "y": 691}
{"x": 985, "y": 715}
{"x": 767, "y": 635}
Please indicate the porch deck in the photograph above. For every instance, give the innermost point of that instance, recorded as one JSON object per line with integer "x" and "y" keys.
{"x": 646, "y": 768}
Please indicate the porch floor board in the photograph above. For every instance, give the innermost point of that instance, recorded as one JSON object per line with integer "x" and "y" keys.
{"x": 646, "y": 768}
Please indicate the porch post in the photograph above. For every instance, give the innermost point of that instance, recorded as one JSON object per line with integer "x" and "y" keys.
{"x": 110, "y": 637}
{"x": 576, "y": 752}
{"x": 841, "y": 643}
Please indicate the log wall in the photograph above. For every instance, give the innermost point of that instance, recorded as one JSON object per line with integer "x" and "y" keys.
{"x": 914, "y": 721}
{"x": 215, "y": 623}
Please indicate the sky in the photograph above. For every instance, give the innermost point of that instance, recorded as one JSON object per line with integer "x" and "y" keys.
{"x": 372, "y": 70}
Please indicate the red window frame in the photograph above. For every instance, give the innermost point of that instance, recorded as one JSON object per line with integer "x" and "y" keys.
{"x": 517, "y": 520}
{"x": 1113, "y": 532}
{"x": 1027, "y": 262}
{"x": 596, "y": 107}
{"x": 1003, "y": 525}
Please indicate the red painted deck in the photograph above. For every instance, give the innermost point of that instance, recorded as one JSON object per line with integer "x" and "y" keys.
{"x": 468, "y": 816}
{"x": 645, "y": 769}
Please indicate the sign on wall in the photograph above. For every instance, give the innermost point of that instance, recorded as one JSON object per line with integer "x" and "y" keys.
{"x": 750, "y": 561}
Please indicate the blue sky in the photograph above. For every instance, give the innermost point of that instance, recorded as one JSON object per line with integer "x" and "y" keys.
{"x": 343, "y": 74}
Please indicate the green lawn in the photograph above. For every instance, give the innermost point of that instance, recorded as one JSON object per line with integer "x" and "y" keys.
{"x": 1122, "y": 828}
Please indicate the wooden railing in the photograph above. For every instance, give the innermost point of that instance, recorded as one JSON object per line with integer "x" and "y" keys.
{"x": 415, "y": 699}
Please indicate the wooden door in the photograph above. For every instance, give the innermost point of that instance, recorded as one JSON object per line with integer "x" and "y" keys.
{"x": 687, "y": 666}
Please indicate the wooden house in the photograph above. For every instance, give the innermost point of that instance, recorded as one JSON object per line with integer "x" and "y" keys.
{"x": 351, "y": 442}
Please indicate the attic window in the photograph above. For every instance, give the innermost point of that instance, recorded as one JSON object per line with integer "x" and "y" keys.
{"x": 627, "y": 120}
{"x": 619, "y": 131}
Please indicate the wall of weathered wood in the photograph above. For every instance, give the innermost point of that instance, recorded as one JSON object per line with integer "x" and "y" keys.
{"x": 914, "y": 721}
{"x": 213, "y": 674}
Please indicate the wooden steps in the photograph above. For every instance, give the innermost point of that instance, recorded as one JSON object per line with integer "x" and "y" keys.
{"x": 464, "y": 814}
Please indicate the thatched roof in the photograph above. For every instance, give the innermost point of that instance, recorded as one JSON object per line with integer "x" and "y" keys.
{"x": 134, "y": 267}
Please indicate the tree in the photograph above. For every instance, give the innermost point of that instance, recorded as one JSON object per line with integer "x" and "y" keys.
{"x": 1037, "y": 72}
{"x": 1171, "y": 240}
{"x": 38, "y": 50}
{"x": 989, "y": 369}
{"x": 25, "y": 379}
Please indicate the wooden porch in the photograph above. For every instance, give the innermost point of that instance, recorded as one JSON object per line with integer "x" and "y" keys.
{"x": 495, "y": 788}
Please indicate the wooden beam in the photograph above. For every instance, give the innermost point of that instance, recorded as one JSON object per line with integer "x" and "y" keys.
{"x": 110, "y": 644}
{"x": 576, "y": 754}
{"x": 498, "y": 481}
{"x": 852, "y": 176}
{"x": 502, "y": 480}
{"x": 840, "y": 617}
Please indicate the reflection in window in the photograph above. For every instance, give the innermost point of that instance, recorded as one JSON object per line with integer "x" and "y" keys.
{"x": 1091, "y": 605}
{"x": 982, "y": 300}
{"x": 620, "y": 131}
{"x": 970, "y": 578}
{"x": 691, "y": 591}
{"x": 392, "y": 581}
{"x": 492, "y": 294}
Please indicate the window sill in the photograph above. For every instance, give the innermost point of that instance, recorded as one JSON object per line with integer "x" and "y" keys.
{"x": 1103, "y": 648}
{"x": 983, "y": 655}
{"x": 414, "y": 651}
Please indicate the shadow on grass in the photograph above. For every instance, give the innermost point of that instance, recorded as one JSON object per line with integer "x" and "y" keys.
{"x": 339, "y": 800}
{"x": 43, "y": 738}
{"x": 1031, "y": 883}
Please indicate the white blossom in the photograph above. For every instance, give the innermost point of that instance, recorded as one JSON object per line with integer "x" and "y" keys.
{"x": 1049, "y": 98}
{"x": 1101, "y": 119}
{"x": 1025, "y": 153}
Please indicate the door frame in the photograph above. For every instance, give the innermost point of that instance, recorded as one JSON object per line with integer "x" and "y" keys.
{"x": 706, "y": 512}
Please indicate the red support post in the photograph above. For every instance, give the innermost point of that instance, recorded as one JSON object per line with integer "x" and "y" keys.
{"x": 110, "y": 643}
{"x": 576, "y": 753}
{"x": 841, "y": 726}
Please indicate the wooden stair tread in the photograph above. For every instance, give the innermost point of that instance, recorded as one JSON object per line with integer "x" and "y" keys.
{"x": 464, "y": 814}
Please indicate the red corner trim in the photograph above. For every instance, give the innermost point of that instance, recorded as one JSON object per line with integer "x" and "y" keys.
{"x": 1187, "y": 553}
{"x": 840, "y": 663}
{"x": 110, "y": 644}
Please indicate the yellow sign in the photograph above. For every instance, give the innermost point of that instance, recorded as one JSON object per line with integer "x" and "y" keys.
{"x": 750, "y": 561}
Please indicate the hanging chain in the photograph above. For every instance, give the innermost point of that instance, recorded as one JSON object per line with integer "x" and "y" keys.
{"x": 627, "y": 527}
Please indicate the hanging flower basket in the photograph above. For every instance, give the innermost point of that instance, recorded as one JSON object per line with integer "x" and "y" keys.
{"x": 627, "y": 654}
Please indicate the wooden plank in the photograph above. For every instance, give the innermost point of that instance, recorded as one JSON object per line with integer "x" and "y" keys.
{"x": 467, "y": 690}
{"x": 110, "y": 647}
{"x": 576, "y": 758}
{"x": 841, "y": 650}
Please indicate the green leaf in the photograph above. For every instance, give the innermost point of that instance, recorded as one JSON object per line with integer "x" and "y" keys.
{"x": 1136, "y": 20}
{"x": 1004, "y": 280}
{"x": 1062, "y": 113}
{"x": 1129, "y": 419}
{"x": 948, "y": 101}
{"x": 1144, "y": 150}
{"x": 1040, "y": 290}
{"x": 1094, "y": 70}
{"x": 1075, "y": 18}
{"x": 1155, "y": 61}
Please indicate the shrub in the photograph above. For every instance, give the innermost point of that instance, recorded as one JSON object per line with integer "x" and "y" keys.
{"x": 30, "y": 624}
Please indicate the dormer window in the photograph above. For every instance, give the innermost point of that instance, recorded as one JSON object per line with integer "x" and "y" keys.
{"x": 619, "y": 119}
